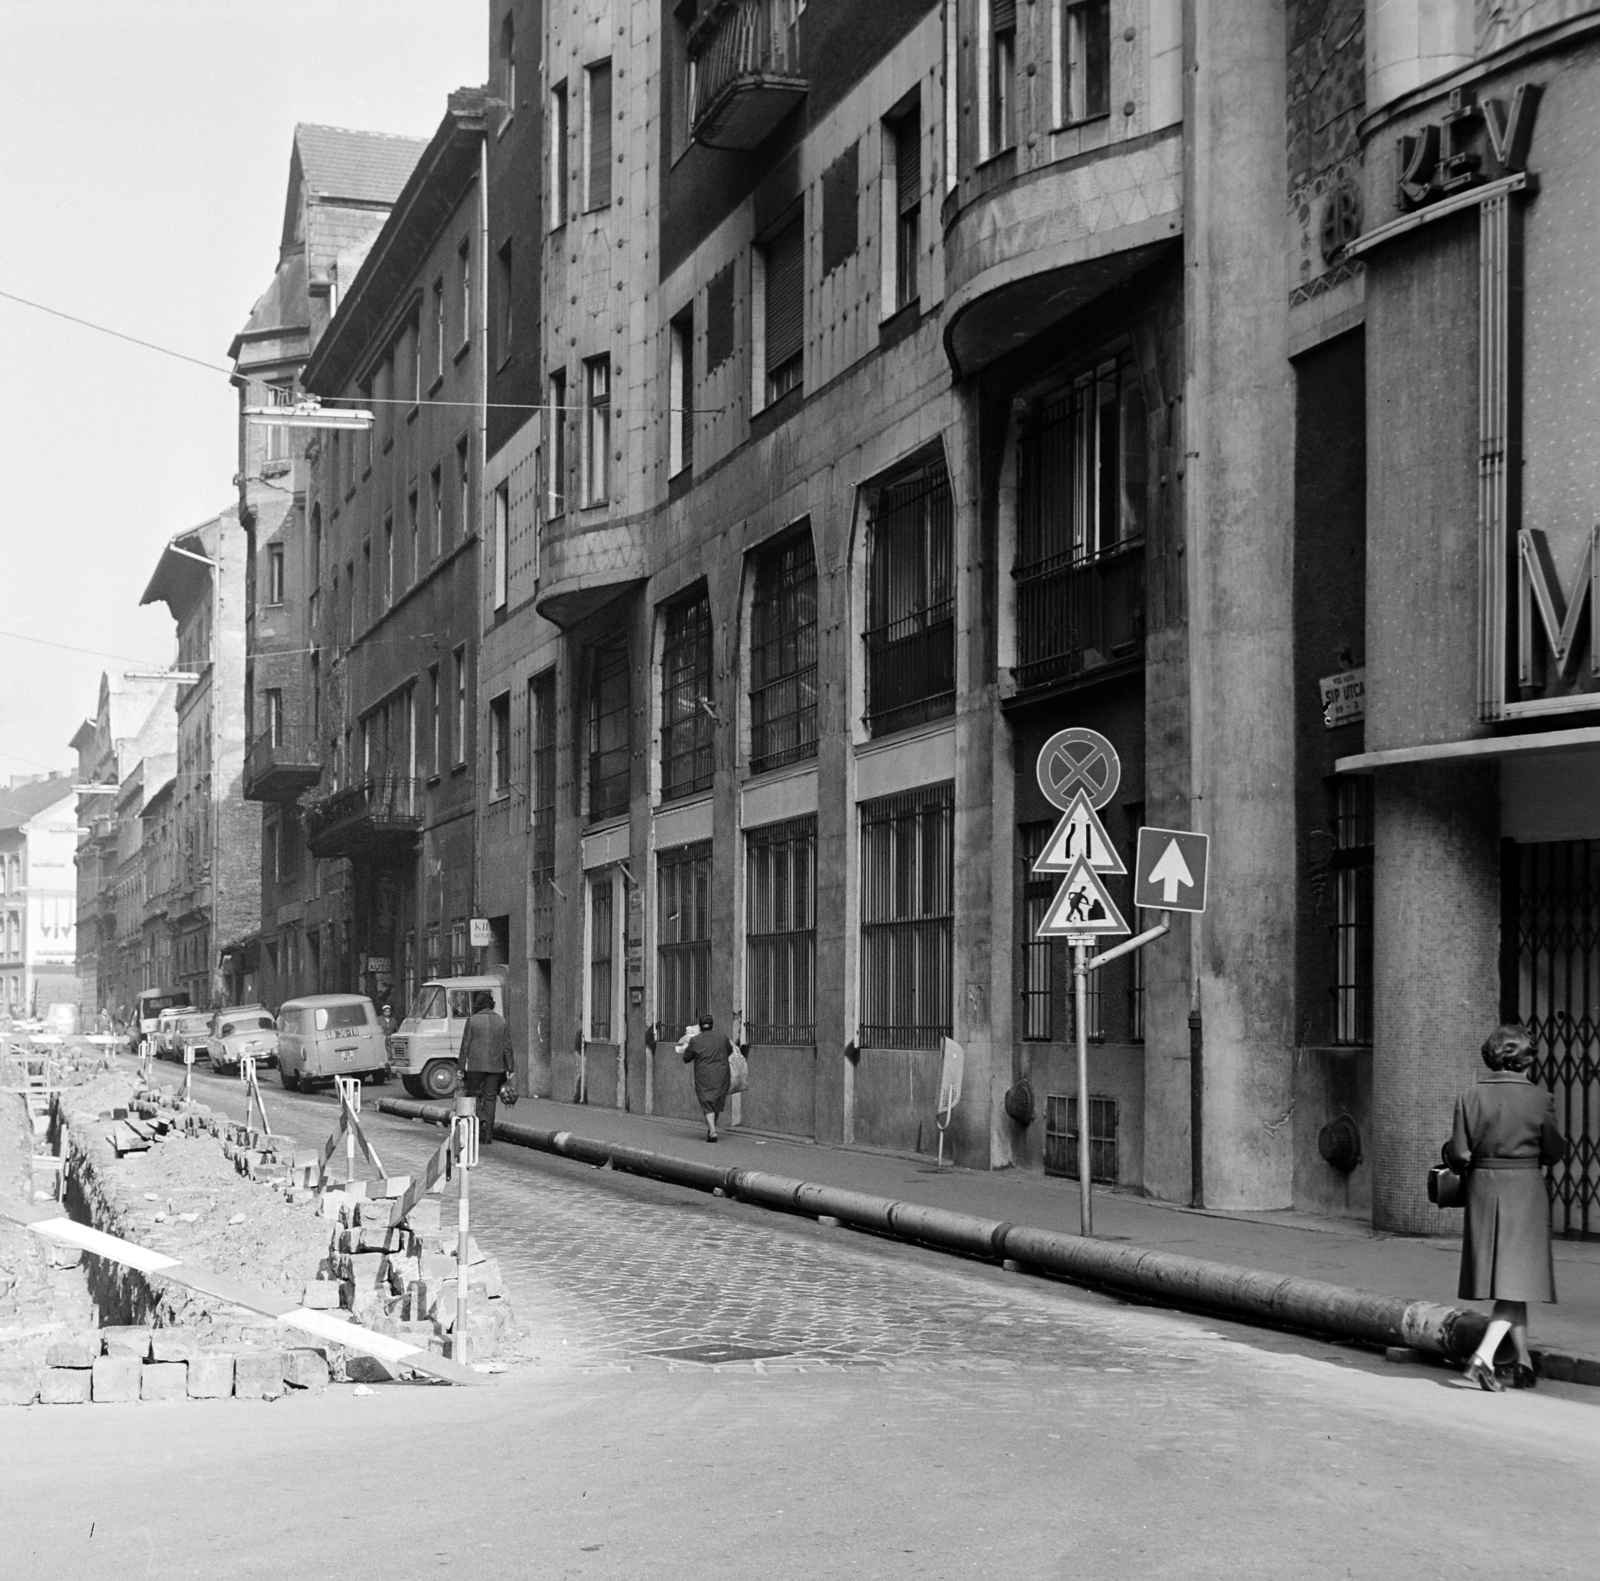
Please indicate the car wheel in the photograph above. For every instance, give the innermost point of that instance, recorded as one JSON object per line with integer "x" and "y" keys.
{"x": 413, "y": 1085}
{"x": 288, "y": 1078}
{"x": 440, "y": 1078}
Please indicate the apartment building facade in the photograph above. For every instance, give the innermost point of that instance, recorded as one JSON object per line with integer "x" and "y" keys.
{"x": 38, "y": 895}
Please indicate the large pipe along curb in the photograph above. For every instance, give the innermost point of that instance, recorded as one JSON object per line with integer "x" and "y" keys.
{"x": 1246, "y": 1294}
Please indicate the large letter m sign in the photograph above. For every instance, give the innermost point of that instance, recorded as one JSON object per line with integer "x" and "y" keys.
{"x": 1540, "y": 591}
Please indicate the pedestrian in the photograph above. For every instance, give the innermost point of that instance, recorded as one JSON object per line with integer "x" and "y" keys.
{"x": 386, "y": 1021}
{"x": 1505, "y": 1130}
{"x": 485, "y": 1059}
{"x": 708, "y": 1051}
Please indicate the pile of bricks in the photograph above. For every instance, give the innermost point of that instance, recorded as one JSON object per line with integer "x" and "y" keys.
{"x": 399, "y": 1278}
{"x": 149, "y": 1117}
{"x": 270, "y": 1159}
{"x": 122, "y": 1365}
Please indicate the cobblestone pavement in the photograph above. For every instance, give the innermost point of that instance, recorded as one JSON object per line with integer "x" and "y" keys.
{"x": 608, "y": 1269}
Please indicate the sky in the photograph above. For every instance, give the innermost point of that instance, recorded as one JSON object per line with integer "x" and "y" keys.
{"x": 144, "y": 161}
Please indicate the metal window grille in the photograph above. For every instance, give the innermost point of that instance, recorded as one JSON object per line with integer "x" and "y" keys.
{"x": 1081, "y": 512}
{"x": 783, "y": 656}
{"x": 1038, "y": 1021}
{"x": 786, "y": 302}
{"x": 687, "y": 740}
{"x": 907, "y": 874}
{"x": 911, "y": 634}
{"x": 781, "y": 932}
{"x": 1352, "y": 931}
{"x": 1061, "y": 1137}
{"x": 608, "y": 730}
{"x": 601, "y": 952}
{"x": 1553, "y": 916}
{"x": 683, "y": 951}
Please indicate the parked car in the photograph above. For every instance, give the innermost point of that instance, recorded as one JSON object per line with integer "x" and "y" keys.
{"x": 178, "y": 1030}
{"x": 423, "y": 1052}
{"x": 328, "y": 1035}
{"x": 241, "y": 1030}
{"x": 147, "y": 1007}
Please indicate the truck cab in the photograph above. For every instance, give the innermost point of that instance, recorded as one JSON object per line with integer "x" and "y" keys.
{"x": 147, "y": 1007}
{"x": 423, "y": 1052}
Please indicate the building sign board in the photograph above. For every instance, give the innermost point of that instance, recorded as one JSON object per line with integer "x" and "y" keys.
{"x": 480, "y": 935}
{"x": 1344, "y": 698}
{"x": 1170, "y": 870}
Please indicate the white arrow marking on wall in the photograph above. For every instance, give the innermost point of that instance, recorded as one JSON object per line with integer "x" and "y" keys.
{"x": 1171, "y": 872}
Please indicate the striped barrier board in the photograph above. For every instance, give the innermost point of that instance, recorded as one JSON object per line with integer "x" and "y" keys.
{"x": 47, "y": 1220}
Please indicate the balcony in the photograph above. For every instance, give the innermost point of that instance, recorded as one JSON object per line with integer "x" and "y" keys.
{"x": 1076, "y": 616}
{"x": 280, "y": 765}
{"x": 745, "y": 59}
{"x": 377, "y": 817}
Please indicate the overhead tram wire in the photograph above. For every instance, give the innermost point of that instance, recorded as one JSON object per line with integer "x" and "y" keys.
{"x": 355, "y": 400}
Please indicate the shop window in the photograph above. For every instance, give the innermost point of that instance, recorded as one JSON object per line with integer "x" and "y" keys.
{"x": 910, "y": 605}
{"x": 687, "y": 711}
{"x": 783, "y": 655}
{"x": 781, "y": 932}
{"x": 907, "y": 912}
{"x": 683, "y": 953}
{"x": 1061, "y": 1137}
{"x": 608, "y": 778}
{"x": 1352, "y": 930}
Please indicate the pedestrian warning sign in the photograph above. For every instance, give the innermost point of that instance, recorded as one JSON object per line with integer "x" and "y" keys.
{"x": 1080, "y": 833}
{"x": 1170, "y": 870}
{"x": 1083, "y": 907}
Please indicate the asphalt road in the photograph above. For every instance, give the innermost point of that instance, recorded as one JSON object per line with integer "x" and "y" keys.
{"x": 911, "y": 1416}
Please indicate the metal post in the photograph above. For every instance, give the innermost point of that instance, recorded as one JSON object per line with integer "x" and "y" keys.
{"x": 349, "y": 1099}
{"x": 1080, "y": 1000}
{"x": 188, "y": 1069}
{"x": 466, "y": 1123}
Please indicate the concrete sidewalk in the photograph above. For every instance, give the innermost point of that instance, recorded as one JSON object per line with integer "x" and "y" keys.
{"x": 1338, "y": 1251}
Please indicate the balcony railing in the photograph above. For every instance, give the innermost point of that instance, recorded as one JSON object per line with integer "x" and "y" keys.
{"x": 1077, "y": 614}
{"x": 374, "y": 816}
{"x": 911, "y": 669}
{"x": 281, "y": 763}
{"x": 745, "y": 59}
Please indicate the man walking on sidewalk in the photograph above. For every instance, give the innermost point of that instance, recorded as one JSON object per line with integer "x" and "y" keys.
{"x": 486, "y": 1059}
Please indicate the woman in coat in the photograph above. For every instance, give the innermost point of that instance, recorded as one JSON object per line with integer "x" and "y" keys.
{"x": 1505, "y": 1132}
{"x": 708, "y": 1052}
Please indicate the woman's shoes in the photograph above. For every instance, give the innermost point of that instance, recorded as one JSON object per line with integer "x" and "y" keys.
{"x": 711, "y": 1136}
{"x": 1523, "y": 1377}
{"x": 1483, "y": 1375}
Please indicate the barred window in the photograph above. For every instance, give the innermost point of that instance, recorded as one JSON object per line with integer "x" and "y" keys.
{"x": 1353, "y": 873}
{"x": 542, "y": 771}
{"x": 907, "y": 882}
{"x": 1038, "y": 1020}
{"x": 608, "y": 730}
{"x": 687, "y": 742}
{"x": 683, "y": 953}
{"x": 1061, "y": 1137}
{"x": 911, "y": 604}
{"x": 783, "y": 655}
{"x": 781, "y": 932}
{"x": 602, "y": 947}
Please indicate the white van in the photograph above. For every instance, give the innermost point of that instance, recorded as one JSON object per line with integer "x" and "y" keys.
{"x": 328, "y": 1035}
{"x": 423, "y": 1052}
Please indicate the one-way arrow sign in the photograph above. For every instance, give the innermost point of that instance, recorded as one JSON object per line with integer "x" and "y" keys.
{"x": 1170, "y": 870}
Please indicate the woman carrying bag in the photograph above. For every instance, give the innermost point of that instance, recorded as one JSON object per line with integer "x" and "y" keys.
{"x": 1505, "y": 1131}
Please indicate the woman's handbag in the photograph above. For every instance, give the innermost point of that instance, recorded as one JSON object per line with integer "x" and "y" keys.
{"x": 1447, "y": 1188}
{"x": 738, "y": 1072}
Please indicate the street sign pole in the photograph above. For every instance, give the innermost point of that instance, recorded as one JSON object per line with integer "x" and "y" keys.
{"x": 1080, "y": 1000}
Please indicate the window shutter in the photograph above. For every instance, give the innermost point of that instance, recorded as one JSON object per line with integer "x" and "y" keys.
{"x": 1003, "y": 16}
{"x": 839, "y": 187}
{"x": 600, "y": 136}
{"x": 786, "y": 295}
{"x": 908, "y": 162}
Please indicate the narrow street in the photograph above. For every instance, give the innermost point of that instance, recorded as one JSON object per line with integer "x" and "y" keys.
{"x": 897, "y": 1414}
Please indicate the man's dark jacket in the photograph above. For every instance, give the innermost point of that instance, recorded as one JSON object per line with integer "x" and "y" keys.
{"x": 486, "y": 1043}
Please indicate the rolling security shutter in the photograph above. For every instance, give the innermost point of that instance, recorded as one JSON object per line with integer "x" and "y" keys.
{"x": 785, "y": 296}
{"x": 908, "y": 162}
{"x": 600, "y": 135}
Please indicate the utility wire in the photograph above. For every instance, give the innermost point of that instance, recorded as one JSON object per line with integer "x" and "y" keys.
{"x": 96, "y": 653}
{"x": 149, "y": 345}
